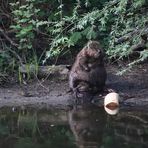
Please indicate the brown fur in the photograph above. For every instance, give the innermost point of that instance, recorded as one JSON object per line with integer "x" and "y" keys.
{"x": 90, "y": 56}
{"x": 89, "y": 67}
{"x": 83, "y": 92}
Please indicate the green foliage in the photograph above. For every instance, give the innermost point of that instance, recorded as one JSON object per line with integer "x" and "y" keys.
{"x": 57, "y": 27}
{"x": 65, "y": 28}
{"x": 126, "y": 19}
{"x": 7, "y": 63}
{"x": 69, "y": 30}
{"x": 114, "y": 20}
{"x": 26, "y": 23}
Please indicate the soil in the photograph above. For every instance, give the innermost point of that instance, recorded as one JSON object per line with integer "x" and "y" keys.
{"x": 132, "y": 88}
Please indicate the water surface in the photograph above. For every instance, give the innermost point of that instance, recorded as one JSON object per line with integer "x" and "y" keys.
{"x": 79, "y": 127}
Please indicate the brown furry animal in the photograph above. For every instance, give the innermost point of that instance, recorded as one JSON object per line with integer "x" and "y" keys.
{"x": 83, "y": 92}
{"x": 89, "y": 67}
{"x": 90, "y": 56}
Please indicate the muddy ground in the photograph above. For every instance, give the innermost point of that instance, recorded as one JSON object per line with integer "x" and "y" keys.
{"x": 132, "y": 88}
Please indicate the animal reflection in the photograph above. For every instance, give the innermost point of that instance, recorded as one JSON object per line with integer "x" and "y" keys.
{"x": 87, "y": 124}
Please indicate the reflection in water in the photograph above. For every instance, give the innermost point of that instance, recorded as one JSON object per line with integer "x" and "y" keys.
{"x": 86, "y": 126}
{"x": 29, "y": 128}
{"x": 127, "y": 129}
{"x": 111, "y": 111}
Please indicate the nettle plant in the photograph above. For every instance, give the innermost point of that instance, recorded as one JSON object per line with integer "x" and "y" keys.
{"x": 26, "y": 24}
{"x": 71, "y": 30}
{"x": 129, "y": 32}
{"x": 118, "y": 24}
{"x": 130, "y": 19}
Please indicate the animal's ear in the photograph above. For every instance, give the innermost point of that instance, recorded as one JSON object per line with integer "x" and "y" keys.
{"x": 69, "y": 67}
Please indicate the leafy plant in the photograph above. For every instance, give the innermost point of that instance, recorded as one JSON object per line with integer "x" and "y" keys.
{"x": 108, "y": 24}
{"x": 58, "y": 27}
{"x": 26, "y": 25}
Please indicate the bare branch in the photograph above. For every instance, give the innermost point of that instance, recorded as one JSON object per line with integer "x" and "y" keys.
{"x": 18, "y": 57}
{"x": 130, "y": 35}
{"x": 12, "y": 43}
{"x": 8, "y": 38}
{"x": 142, "y": 45}
{"x": 138, "y": 47}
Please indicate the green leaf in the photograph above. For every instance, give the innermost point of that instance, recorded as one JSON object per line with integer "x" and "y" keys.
{"x": 91, "y": 34}
{"x": 75, "y": 37}
{"x": 25, "y": 31}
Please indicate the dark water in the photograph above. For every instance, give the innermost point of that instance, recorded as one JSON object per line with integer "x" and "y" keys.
{"x": 81, "y": 127}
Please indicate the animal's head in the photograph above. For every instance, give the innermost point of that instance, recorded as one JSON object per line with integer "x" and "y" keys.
{"x": 94, "y": 49}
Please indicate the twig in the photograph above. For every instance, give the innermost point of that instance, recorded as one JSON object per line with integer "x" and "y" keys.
{"x": 14, "y": 44}
{"x": 141, "y": 45}
{"x": 19, "y": 58}
{"x": 138, "y": 47}
{"x": 8, "y": 38}
{"x": 128, "y": 36}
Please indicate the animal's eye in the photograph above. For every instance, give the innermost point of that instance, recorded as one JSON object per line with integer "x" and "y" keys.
{"x": 97, "y": 54}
